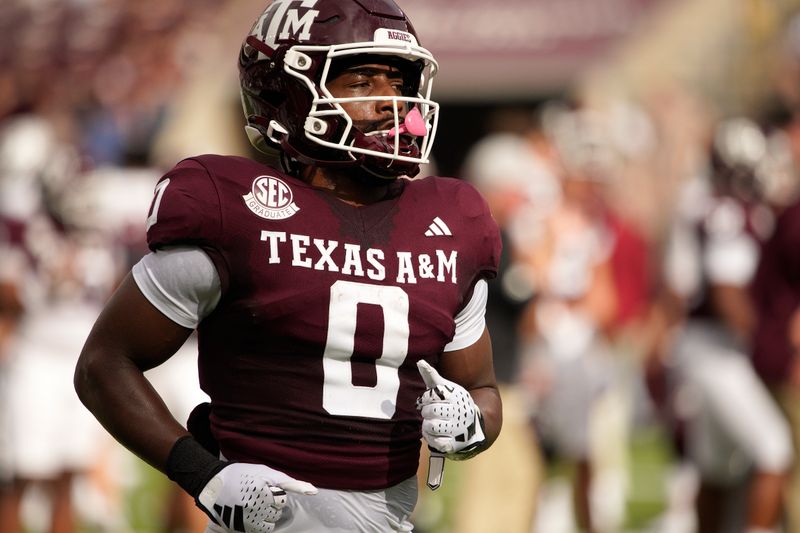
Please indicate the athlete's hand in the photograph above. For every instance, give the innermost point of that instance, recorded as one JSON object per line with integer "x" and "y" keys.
{"x": 451, "y": 422}
{"x": 249, "y": 498}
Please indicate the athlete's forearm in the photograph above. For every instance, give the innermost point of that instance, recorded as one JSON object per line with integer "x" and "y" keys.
{"x": 125, "y": 403}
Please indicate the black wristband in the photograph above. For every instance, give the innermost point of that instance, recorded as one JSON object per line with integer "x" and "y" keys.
{"x": 191, "y": 466}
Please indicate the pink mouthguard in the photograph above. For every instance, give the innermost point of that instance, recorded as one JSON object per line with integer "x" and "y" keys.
{"x": 413, "y": 124}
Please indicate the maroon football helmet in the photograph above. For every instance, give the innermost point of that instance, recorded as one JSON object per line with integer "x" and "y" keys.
{"x": 285, "y": 64}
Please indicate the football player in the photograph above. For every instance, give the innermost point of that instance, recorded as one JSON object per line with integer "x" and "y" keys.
{"x": 733, "y": 432}
{"x": 339, "y": 303}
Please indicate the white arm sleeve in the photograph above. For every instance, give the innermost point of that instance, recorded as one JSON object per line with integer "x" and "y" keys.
{"x": 471, "y": 321}
{"x": 181, "y": 282}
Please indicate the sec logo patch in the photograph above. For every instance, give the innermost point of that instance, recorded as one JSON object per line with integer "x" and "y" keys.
{"x": 270, "y": 198}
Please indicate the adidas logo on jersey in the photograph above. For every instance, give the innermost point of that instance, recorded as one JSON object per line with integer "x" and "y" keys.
{"x": 438, "y": 228}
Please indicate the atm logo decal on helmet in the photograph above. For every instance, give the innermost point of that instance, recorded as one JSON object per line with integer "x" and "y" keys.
{"x": 286, "y": 21}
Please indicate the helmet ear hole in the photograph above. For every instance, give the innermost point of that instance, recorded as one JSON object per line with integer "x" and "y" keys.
{"x": 272, "y": 98}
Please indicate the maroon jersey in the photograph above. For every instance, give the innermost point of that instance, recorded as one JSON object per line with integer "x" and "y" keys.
{"x": 310, "y": 356}
{"x": 776, "y": 293}
{"x": 728, "y": 219}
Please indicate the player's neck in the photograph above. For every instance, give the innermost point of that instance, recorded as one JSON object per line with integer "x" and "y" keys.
{"x": 348, "y": 186}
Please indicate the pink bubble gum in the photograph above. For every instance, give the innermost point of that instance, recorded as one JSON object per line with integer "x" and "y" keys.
{"x": 413, "y": 124}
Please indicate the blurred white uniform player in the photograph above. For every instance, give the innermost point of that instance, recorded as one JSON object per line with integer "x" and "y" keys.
{"x": 733, "y": 426}
{"x": 49, "y": 430}
{"x": 48, "y": 435}
{"x": 58, "y": 280}
{"x": 570, "y": 365}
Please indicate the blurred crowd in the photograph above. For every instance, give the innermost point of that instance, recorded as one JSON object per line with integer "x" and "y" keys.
{"x": 103, "y": 73}
{"x": 650, "y": 277}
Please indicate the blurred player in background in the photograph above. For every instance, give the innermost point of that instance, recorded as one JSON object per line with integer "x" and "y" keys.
{"x": 734, "y": 434}
{"x": 776, "y": 294}
{"x": 570, "y": 365}
{"x": 514, "y": 174}
{"x": 324, "y": 293}
{"x": 55, "y": 277}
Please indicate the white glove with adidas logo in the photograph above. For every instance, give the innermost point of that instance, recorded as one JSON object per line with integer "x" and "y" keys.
{"x": 249, "y": 498}
{"x": 451, "y": 422}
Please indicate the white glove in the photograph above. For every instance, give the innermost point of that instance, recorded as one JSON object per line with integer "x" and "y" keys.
{"x": 249, "y": 498}
{"x": 451, "y": 422}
